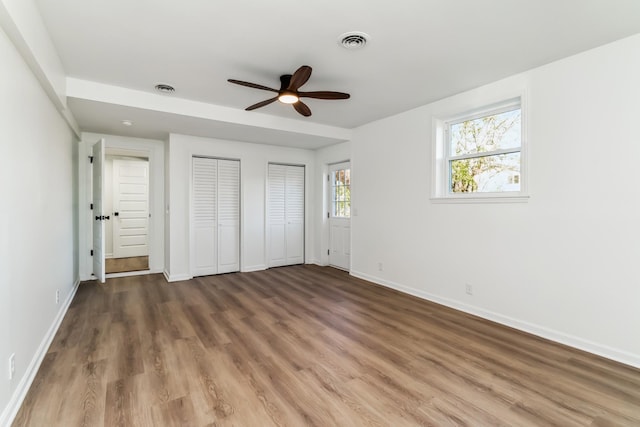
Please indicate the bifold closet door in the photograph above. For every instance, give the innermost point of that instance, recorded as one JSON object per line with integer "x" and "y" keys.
{"x": 215, "y": 216}
{"x": 228, "y": 216}
{"x": 286, "y": 215}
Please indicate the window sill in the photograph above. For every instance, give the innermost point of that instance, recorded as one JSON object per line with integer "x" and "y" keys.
{"x": 493, "y": 198}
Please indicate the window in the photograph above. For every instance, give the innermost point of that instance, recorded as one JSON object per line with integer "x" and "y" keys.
{"x": 340, "y": 192}
{"x": 481, "y": 154}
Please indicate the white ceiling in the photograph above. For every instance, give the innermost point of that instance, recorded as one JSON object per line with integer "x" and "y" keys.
{"x": 420, "y": 51}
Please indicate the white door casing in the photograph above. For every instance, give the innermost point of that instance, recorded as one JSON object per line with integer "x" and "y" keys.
{"x": 152, "y": 150}
{"x": 285, "y": 214}
{"x": 98, "y": 215}
{"x": 131, "y": 208}
{"x": 215, "y": 216}
{"x": 340, "y": 215}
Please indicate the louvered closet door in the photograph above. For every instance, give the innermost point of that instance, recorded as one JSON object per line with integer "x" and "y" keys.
{"x": 286, "y": 215}
{"x": 295, "y": 214}
{"x": 205, "y": 216}
{"x": 216, "y": 216}
{"x": 277, "y": 218}
{"x": 228, "y": 216}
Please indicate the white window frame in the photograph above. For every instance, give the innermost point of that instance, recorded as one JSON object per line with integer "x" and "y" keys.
{"x": 441, "y": 189}
{"x": 332, "y": 169}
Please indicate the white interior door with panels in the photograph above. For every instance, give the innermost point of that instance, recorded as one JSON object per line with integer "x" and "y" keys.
{"x": 131, "y": 208}
{"x": 285, "y": 215}
{"x": 215, "y": 216}
{"x": 340, "y": 215}
{"x": 98, "y": 216}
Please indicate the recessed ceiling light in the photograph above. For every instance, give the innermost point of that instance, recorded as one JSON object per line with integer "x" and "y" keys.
{"x": 354, "y": 40}
{"x": 164, "y": 88}
{"x": 127, "y": 122}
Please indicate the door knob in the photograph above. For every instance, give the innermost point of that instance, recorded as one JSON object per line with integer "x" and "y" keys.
{"x": 116, "y": 213}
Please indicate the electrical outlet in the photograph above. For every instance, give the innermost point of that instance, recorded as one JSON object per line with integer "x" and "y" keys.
{"x": 12, "y": 365}
{"x": 57, "y": 296}
{"x": 379, "y": 266}
{"x": 468, "y": 289}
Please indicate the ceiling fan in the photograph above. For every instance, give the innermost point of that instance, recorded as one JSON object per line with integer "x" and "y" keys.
{"x": 289, "y": 93}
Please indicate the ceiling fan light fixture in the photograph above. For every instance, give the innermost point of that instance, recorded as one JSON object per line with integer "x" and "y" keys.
{"x": 288, "y": 98}
{"x": 288, "y": 93}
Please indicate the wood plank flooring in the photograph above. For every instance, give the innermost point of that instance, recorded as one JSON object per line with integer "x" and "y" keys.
{"x": 123, "y": 265}
{"x": 308, "y": 345}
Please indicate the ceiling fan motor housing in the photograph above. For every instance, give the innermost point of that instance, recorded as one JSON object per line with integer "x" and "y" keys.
{"x": 285, "y": 80}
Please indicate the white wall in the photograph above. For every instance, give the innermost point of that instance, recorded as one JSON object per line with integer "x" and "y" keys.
{"x": 324, "y": 157}
{"x": 254, "y": 159}
{"x": 123, "y": 146}
{"x": 37, "y": 237}
{"x": 563, "y": 265}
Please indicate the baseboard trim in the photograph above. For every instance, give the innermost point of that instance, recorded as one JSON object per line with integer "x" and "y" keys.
{"x": 127, "y": 274}
{"x": 531, "y": 328}
{"x": 176, "y": 277}
{"x": 10, "y": 412}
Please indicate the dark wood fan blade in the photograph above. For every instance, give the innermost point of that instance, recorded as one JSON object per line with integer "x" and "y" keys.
{"x": 302, "y": 108}
{"x": 261, "y": 104}
{"x": 324, "y": 94}
{"x": 253, "y": 85}
{"x": 299, "y": 78}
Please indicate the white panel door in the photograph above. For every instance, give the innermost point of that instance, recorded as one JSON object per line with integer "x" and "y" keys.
{"x": 98, "y": 211}
{"x": 215, "y": 216}
{"x": 131, "y": 208}
{"x": 340, "y": 215}
{"x": 285, "y": 215}
{"x": 228, "y": 216}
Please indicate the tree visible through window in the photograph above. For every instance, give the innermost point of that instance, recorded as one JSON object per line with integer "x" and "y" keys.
{"x": 341, "y": 193}
{"x": 484, "y": 153}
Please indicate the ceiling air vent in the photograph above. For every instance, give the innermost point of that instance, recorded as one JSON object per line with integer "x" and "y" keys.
{"x": 163, "y": 88}
{"x": 354, "y": 40}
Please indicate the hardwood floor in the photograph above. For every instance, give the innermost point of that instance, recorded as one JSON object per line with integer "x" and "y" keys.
{"x": 123, "y": 265}
{"x": 308, "y": 345}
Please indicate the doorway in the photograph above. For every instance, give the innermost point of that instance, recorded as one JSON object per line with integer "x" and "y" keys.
{"x": 340, "y": 215}
{"x": 93, "y": 151}
{"x": 126, "y": 202}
